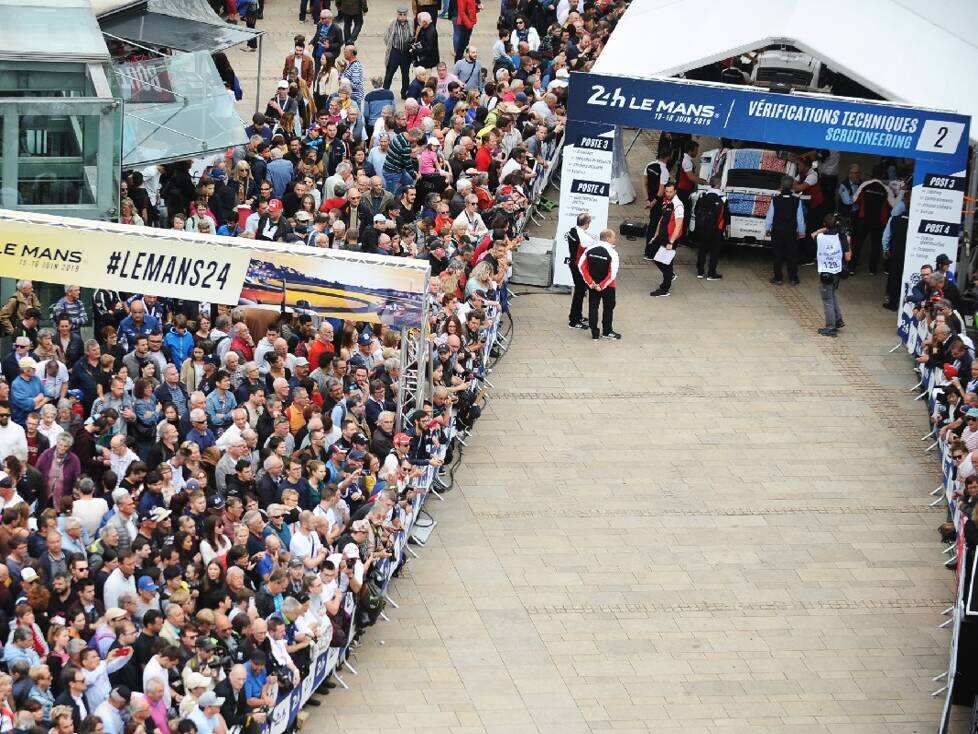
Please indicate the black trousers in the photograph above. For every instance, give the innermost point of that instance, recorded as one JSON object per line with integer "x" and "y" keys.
{"x": 668, "y": 274}
{"x": 708, "y": 244}
{"x": 655, "y": 214}
{"x": 785, "y": 249}
{"x": 398, "y": 60}
{"x": 314, "y": 6}
{"x": 606, "y": 298}
{"x": 352, "y": 25}
{"x": 874, "y": 231}
{"x": 577, "y": 297}
{"x": 894, "y": 281}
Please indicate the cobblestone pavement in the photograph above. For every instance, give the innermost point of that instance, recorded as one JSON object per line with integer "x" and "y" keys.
{"x": 719, "y": 523}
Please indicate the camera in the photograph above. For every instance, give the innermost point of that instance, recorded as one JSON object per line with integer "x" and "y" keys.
{"x": 351, "y": 562}
{"x": 224, "y": 663}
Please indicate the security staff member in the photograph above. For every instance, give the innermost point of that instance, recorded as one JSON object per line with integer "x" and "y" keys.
{"x": 784, "y": 224}
{"x": 577, "y": 241}
{"x": 656, "y": 176}
{"x": 599, "y": 267}
{"x": 894, "y": 248}
{"x": 712, "y": 216}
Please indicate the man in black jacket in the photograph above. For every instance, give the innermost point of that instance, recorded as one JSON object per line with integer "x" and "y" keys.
{"x": 784, "y": 224}
{"x": 577, "y": 239}
{"x": 74, "y": 694}
{"x": 235, "y": 709}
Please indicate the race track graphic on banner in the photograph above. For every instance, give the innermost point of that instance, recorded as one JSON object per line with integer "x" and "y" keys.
{"x": 585, "y": 185}
{"x": 120, "y": 257}
{"x": 934, "y": 222}
{"x": 332, "y": 284}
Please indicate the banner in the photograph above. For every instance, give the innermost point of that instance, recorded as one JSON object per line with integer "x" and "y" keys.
{"x": 211, "y": 268}
{"x": 120, "y": 257}
{"x": 585, "y": 185}
{"x": 337, "y": 284}
{"x": 801, "y": 120}
{"x": 938, "y": 141}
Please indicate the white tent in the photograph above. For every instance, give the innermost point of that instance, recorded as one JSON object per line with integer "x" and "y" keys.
{"x": 920, "y": 53}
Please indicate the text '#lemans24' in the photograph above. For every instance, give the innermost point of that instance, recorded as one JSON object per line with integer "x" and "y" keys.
{"x": 180, "y": 270}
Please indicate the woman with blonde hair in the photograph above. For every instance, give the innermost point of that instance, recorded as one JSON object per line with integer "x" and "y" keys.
{"x": 127, "y": 213}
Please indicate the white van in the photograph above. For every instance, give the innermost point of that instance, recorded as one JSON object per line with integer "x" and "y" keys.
{"x": 749, "y": 178}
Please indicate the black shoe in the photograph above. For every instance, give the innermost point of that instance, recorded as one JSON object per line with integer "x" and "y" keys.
{"x": 794, "y": 281}
{"x": 648, "y": 258}
{"x": 872, "y": 272}
{"x": 659, "y": 292}
{"x": 828, "y": 332}
{"x": 612, "y": 335}
{"x": 700, "y": 276}
{"x": 715, "y": 276}
{"x": 776, "y": 281}
{"x": 890, "y": 306}
{"x": 313, "y": 702}
{"x": 840, "y": 324}
{"x": 595, "y": 335}
{"x": 582, "y": 324}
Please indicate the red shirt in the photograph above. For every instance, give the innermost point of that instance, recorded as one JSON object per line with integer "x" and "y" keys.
{"x": 468, "y": 13}
{"x": 483, "y": 158}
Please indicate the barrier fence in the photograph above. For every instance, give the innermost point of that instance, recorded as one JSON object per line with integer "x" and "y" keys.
{"x": 913, "y": 333}
{"x": 329, "y": 661}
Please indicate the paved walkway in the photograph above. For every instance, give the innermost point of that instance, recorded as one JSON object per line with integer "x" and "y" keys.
{"x": 718, "y": 524}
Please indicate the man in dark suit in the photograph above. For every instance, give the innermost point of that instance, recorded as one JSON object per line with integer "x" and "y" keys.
{"x": 235, "y": 709}
{"x": 74, "y": 694}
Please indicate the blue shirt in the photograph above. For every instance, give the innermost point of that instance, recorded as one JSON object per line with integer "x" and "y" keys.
{"x": 279, "y": 173}
{"x": 254, "y": 682}
{"x": 181, "y": 345}
{"x": 22, "y": 394}
{"x": 128, "y": 330}
{"x": 216, "y": 404}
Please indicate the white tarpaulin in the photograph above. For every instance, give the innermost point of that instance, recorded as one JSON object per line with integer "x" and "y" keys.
{"x": 924, "y": 54}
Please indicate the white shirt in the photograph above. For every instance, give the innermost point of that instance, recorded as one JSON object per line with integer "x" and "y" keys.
{"x": 13, "y": 440}
{"x": 829, "y": 253}
{"x": 51, "y": 432}
{"x": 155, "y": 671}
{"x": 111, "y": 718}
{"x": 119, "y": 464}
{"x": 304, "y": 545}
{"x": 115, "y": 585}
{"x": 89, "y": 513}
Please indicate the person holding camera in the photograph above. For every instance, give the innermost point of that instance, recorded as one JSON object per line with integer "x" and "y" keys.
{"x": 204, "y": 662}
{"x": 831, "y": 249}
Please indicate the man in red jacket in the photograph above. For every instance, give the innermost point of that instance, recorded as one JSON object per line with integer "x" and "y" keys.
{"x": 599, "y": 266}
{"x": 464, "y": 23}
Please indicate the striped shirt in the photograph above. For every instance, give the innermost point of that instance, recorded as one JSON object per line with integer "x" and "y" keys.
{"x": 354, "y": 73}
{"x": 398, "y": 155}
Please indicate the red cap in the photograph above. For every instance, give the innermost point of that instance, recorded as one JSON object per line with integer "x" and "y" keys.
{"x": 950, "y": 371}
{"x": 402, "y": 438}
{"x": 275, "y": 205}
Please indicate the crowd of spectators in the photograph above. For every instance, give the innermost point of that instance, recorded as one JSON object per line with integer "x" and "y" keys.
{"x": 192, "y": 493}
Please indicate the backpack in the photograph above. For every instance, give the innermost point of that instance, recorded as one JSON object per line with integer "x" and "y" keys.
{"x": 709, "y": 211}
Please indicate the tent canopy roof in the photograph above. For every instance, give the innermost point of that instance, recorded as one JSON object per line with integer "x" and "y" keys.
{"x": 919, "y": 54}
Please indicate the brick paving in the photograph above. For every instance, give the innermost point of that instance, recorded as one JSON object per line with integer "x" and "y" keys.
{"x": 718, "y": 524}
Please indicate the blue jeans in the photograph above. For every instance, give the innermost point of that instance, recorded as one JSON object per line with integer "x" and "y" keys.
{"x": 460, "y": 39}
{"x": 394, "y": 181}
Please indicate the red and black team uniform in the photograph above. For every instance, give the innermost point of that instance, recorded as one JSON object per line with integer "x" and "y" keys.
{"x": 671, "y": 228}
{"x": 685, "y": 185}
{"x": 599, "y": 268}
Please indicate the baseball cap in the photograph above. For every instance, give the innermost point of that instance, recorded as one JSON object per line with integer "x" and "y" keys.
{"x": 303, "y": 216}
{"x": 192, "y": 485}
{"x": 215, "y": 502}
{"x": 359, "y": 438}
{"x": 943, "y": 259}
{"x": 145, "y": 583}
{"x": 160, "y": 513}
{"x": 360, "y": 526}
{"x": 950, "y": 371}
{"x": 972, "y": 413}
{"x": 295, "y": 563}
{"x": 522, "y": 98}
{"x": 197, "y": 680}
{"x": 379, "y": 218}
{"x": 122, "y": 693}
{"x": 283, "y": 84}
{"x": 28, "y": 574}
{"x": 402, "y": 438}
{"x": 364, "y": 339}
{"x": 5, "y": 480}
{"x": 210, "y": 699}
{"x": 27, "y": 363}
{"x": 275, "y": 205}
{"x": 337, "y": 449}
{"x": 76, "y": 394}
{"x": 147, "y": 515}
{"x": 114, "y": 614}
{"x": 205, "y": 643}
{"x": 356, "y": 455}
{"x": 76, "y": 646}
{"x": 350, "y": 550}
{"x": 301, "y": 362}
{"x": 315, "y": 126}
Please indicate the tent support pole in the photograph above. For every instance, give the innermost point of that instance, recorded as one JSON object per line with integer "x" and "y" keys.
{"x": 969, "y": 217}
{"x": 258, "y": 77}
{"x": 638, "y": 134}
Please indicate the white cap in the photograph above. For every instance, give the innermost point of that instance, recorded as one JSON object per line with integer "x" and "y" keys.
{"x": 283, "y": 84}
